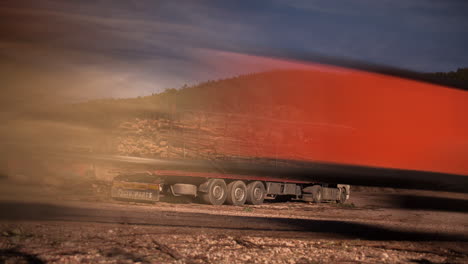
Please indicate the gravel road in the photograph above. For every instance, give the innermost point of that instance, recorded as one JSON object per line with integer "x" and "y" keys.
{"x": 41, "y": 224}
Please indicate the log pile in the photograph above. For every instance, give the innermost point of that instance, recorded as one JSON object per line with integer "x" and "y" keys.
{"x": 163, "y": 138}
{"x": 196, "y": 136}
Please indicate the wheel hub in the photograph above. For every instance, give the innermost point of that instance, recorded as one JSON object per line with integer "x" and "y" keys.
{"x": 257, "y": 193}
{"x": 218, "y": 192}
{"x": 239, "y": 194}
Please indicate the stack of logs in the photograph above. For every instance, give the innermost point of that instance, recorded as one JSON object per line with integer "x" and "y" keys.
{"x": 164, "y": 138}
{"x": 197, "y": 136}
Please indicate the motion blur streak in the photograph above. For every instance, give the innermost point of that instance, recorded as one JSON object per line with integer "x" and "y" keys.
{"x": 355, "y": 117}
{"x": 55, "y": 53}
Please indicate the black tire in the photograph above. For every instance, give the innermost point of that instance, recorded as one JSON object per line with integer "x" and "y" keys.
{"x": 236, "y": 193}
{"x": 255, "y": 193}
{"x": 317, "y": 193}
{"x": 342, "y": 197}
{"x": 216, "y": 194}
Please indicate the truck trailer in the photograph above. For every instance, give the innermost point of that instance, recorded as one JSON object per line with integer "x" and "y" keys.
{"x": 216, "y": 138}
{"x": 217, "y": 189}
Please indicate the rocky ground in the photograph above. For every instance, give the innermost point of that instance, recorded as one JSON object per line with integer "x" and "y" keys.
{"x": 64, "y": 242}
{"x": 39, "y": 224}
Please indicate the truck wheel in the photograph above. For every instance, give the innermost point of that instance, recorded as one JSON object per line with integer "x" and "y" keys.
{"x": 216, "y": 193}
{"x": 236, "y": 193}
{"x": 255, "y": 193}
{"x": 342, "y": 198}
{"x": 316, "y": 193}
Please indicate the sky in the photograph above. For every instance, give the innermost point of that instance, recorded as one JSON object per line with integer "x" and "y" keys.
{"x": 124, "y": 48}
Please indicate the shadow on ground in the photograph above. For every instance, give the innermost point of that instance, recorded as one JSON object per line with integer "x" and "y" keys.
{"x": 431, "y": 203}
{"x": 17, "y": 211}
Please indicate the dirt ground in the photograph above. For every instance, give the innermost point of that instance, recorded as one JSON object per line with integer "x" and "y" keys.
{"x": 80, "y": 224}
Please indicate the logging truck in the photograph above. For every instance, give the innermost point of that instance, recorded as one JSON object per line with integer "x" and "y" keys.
{"x": 340, "y": 125}
{"x": 212, "y": 137}
{"x": 217, "y": 189}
